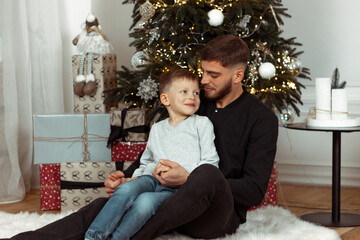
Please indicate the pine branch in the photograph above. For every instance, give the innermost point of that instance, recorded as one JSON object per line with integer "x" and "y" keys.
{"x": 335, "y": 82}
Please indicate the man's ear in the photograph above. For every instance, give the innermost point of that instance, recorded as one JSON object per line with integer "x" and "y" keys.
{"x": 238, "y": 75}
{"x": 164, "y": 99}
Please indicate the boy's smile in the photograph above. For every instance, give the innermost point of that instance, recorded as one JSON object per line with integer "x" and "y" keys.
{"x": 182, "y": 99}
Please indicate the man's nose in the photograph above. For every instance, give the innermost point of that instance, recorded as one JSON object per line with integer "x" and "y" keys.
{"x": 204, "y": 79}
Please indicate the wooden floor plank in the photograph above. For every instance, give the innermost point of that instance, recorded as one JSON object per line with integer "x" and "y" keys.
{"x": 352, "y": 234}
{"x": 297, "y": 199}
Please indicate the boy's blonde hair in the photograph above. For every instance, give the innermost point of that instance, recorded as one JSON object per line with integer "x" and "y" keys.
{"x": 167, "y": 78}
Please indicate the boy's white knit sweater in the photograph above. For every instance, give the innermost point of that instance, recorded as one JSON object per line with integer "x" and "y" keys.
{"x": 190, "y": 143}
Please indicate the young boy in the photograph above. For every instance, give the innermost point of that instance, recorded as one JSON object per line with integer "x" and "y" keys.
{"x": 185, "y": 138}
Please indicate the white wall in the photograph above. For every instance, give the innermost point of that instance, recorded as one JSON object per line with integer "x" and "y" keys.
{"x": 115, "y": 19}
{"x": 328, "y": 31}
{"x": 72, "y": 14}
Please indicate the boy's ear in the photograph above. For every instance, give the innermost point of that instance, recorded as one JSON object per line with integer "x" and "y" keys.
{"x": 164, "y": 99}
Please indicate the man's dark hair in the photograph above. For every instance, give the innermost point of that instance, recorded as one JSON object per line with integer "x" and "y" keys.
{"x": 167, "y": 78}
{"x": 229, "y": 50}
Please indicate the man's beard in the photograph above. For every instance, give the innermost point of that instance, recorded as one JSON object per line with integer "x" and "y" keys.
{"x": 220, "y": 92}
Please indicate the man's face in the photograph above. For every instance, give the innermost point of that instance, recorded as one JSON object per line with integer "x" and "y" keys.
{"x": 217, "y": 80}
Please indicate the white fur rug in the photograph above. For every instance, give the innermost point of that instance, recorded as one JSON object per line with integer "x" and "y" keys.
{"x": 266, "y": 223}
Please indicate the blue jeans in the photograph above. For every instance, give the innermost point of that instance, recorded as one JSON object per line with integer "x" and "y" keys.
{"x": 128, "y": 209}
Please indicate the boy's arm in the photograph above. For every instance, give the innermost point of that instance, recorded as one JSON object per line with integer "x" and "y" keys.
{"x": 208, "y": 153}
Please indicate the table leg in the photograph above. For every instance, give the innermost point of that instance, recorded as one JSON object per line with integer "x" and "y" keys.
{"x": 335, "y": 218}
{"x": 336, "y": 177}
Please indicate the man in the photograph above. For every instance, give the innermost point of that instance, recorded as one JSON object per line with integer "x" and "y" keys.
{"x": 209, "y": 202}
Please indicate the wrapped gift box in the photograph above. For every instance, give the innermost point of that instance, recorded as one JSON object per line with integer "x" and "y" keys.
{"x": 50, "y": 187}
{"x": 57, "y": 193}
{"x": 104, "y": 70}
{"x": 126, "y": 151}
{"x": 71, "y": 138}
{"x": 128, "y": 125}
{"x": 83, "y": 182}
{"x": 270, "y": 195}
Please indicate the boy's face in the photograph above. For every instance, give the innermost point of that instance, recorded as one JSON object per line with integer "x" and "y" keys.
{"x": 183, "y": 97}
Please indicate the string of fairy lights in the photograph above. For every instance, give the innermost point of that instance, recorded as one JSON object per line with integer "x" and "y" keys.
{"x": 167, "y": 51}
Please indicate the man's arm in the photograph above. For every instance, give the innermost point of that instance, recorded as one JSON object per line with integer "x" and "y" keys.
{"x": 249, "y": 190}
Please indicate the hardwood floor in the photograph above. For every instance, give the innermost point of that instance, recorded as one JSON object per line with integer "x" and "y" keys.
{"x": 309, "y": 199}
{"x": 298, "y": 199}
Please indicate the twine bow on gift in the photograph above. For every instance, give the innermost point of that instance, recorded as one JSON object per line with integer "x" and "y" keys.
{"x": 85, "y": 138}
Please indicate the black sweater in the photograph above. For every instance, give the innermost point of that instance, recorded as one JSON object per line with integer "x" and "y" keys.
{"x": 246, "y": 134}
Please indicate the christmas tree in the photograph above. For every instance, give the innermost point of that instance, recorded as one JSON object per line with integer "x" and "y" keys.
{"x": 171, "y": 33}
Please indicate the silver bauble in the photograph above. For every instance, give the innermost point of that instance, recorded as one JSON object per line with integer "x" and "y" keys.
{"x": 139, "y": 58}
{"x": 286, "y": 116}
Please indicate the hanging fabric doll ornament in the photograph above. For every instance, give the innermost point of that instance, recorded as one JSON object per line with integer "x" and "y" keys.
{"x": 147, "y": 10}
{"x": 89, "y": 42}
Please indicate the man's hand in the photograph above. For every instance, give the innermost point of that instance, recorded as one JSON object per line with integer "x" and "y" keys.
{"x": 170, "y": 174}
{"x": 114, "y": 180}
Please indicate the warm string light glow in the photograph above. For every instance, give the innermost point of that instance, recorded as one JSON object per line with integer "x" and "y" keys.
{"x": 166, "y": 52}
{"x": 192, "y": 36}
{"x": 160, "y": 4}
{"x": 272, "y": 89}
{"x": 283, "y": 61}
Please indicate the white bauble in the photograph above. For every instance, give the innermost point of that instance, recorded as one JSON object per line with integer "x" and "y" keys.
{"x": 267, "y": 70}
{"x": 216, "y": 17}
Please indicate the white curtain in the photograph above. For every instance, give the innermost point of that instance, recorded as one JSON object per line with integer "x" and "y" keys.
{"x": 31, "y": 83}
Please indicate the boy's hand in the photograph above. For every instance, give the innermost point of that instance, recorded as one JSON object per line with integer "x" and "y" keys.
{"x": 170, "y": 174}
{"x": 114, "y": 180}
{"x": 160, "y": 168}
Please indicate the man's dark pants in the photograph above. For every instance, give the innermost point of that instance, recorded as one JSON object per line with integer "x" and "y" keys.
{"x": 202, "y": 208}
